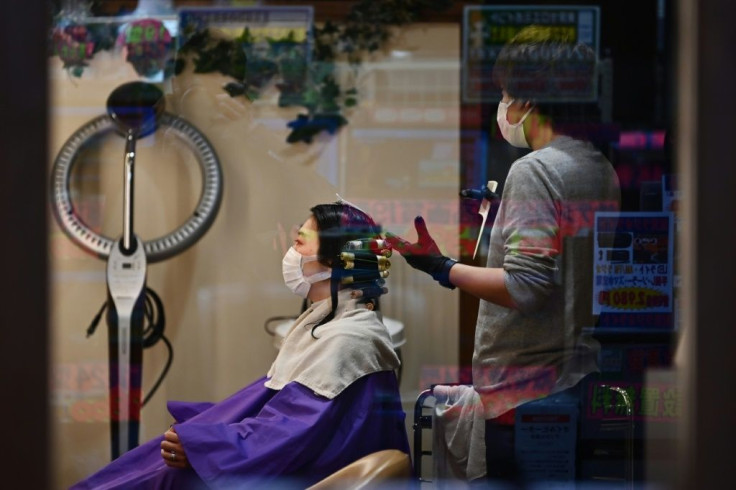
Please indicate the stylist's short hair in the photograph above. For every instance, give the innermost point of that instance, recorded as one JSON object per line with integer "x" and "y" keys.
{"x": 530, "y": 64}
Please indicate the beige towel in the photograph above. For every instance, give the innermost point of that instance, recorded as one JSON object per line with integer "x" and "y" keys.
{"x": 458, "y": 429}
{"x": 353, "y": 344}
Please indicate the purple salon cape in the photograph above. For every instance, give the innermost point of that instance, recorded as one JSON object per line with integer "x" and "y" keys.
{"x": 260, "y": 437}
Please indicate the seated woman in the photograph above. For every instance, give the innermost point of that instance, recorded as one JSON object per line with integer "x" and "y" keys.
{"x": 330, "y": 397}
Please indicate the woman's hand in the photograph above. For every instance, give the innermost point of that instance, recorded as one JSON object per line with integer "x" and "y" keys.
{"x": 172, "y": 451}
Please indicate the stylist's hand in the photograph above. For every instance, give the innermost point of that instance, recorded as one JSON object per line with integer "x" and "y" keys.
{"x": 424, "y": 255}
{"x": 172, "y": 451}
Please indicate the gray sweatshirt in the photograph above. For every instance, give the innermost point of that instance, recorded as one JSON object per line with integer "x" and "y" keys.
{"x": 541, "y": 238}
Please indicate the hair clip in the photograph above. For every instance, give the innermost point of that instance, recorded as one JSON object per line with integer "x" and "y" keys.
{"x": 340, "y": 200}
{"x": 363, "y": 276}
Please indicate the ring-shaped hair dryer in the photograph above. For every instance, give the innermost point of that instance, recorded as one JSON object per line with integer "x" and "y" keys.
{"x": 134, "y": 110}
{"x": 156, "y": 249}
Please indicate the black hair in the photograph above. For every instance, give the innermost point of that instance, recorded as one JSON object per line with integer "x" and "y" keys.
{"x": 337, "y": 224}
{"x": 531, "y": 62}
{"x": 339, "y": 227}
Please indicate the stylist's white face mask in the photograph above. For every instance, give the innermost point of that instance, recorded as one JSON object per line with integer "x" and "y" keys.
{"x": 292, "y": 270}
{"x": 513, "y": 133}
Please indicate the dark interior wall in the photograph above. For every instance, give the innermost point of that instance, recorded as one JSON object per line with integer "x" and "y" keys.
{"x": 629, "y": 32}
{"x": 638, "y": 37}
{"x": 638, "y": 43}
{"x": 713, "y": 210}
{"x": 23, "y": 316}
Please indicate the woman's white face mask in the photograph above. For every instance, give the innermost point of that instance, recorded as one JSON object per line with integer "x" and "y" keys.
{"x": 292, "y": 270}
{"x": 513, "y": 133}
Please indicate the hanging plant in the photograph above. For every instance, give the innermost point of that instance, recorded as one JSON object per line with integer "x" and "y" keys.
{"x": 304, "y": 79}
{"x": 304, "y": 74}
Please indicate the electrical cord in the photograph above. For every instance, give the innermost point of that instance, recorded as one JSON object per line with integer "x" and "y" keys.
{"x": 272, "y": 332}
{"x": 153, "y": 313}
{"x": 268, "y": 329}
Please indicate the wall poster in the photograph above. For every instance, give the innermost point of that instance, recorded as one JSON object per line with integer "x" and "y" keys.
{"x": 632, "y": 267}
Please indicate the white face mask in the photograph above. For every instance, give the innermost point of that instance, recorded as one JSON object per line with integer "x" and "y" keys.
{"x": 513, "y": 133}
{"x": 291, "y": 268}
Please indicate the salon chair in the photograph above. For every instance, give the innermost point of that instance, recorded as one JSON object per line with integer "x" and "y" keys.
{"x": 382, "y": 469}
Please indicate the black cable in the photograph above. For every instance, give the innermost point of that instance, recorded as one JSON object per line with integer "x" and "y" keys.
{"x": 155, "y": 332}
{"x": 93, "y": 325}
{"x": 155, "y": 329}
{"x": 164, "y": 371}
{"x": 276, "y": 319}
{"x": 153, "y": 313}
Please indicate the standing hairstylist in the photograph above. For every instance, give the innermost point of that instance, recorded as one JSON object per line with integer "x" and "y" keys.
{"x": 523, "y": 350}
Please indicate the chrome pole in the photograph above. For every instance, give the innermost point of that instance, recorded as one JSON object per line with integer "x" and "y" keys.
{"x": 129, "y": 168}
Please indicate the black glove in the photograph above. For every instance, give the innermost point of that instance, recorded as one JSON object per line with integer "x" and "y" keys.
{"x": 424, "y": 254}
